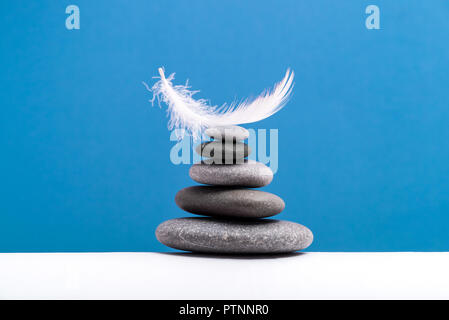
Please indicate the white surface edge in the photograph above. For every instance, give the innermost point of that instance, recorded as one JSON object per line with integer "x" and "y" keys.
{"x": 311, "y": 275}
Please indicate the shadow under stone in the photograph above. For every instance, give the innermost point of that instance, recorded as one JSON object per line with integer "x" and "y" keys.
{"x": 254, "y": 256}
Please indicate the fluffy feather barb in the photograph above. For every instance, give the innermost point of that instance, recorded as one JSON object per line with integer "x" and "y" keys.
{"x": 194, "y": 116}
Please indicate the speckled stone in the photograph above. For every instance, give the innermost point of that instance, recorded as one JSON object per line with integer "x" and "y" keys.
{"x": 226, "y": 202}
{"x": 211, "y": 235}
{"x": 228, "y": 132}
{"x": 250, "y": 174}
{"x": 222, "y": 152}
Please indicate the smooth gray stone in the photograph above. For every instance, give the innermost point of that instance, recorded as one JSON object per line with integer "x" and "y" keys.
{"x": 222, "y": 152}
{"x": 234, "y": 236}
{"x": 250, "y": 174}
{"x": 227, "y": 132}
{"x": 226, "y": 202}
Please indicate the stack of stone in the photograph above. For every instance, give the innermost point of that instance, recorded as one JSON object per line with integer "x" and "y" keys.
{"x": 236, "y": 221}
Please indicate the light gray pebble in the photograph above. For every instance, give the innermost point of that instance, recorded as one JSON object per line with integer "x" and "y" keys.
{"x": 211, "y": 235}
{"x": 250, "y": 174}
{"x": 229, "y": 202}
{"x": 227, "y": 132}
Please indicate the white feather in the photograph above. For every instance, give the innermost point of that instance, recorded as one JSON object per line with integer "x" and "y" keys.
{"x": 194, "y": 116}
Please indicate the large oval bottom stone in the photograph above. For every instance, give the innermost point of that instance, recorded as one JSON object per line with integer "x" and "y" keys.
{"x": 211, "y": 235}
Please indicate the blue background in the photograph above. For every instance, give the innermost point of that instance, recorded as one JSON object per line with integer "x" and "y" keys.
{"x": 363, "y": 155}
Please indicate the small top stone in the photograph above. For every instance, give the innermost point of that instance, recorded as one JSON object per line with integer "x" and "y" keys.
{"x": 228, "y": 132}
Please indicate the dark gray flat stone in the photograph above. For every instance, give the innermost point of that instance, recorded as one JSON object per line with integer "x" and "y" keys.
{"x": 228, "y": 132}
{"x": 222, "y": 152}
{"x": 226, "y": 202}
{"x": 250, "y": 174}
{"x": 234, "y": 236}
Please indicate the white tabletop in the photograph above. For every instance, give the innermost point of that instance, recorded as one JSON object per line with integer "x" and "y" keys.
{"x": 313, "y": 275}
